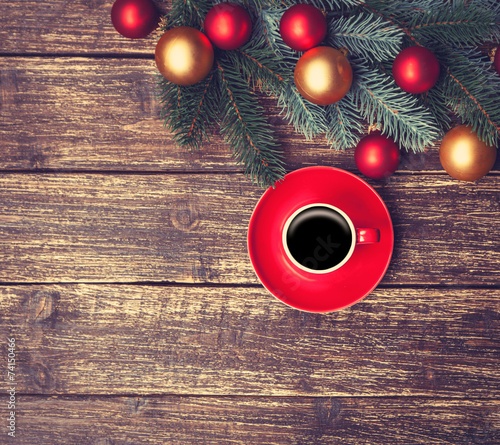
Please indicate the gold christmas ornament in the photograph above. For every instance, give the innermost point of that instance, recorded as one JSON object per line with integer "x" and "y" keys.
{"x": 464, "y": 156}
{"x": 323, "y": 75}
{"x": 184, "y": 55}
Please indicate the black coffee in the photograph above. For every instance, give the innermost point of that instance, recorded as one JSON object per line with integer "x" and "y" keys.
{"x": 319, "y": 238}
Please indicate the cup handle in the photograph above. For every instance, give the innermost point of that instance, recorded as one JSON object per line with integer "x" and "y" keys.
{"x": 367, "y": 236}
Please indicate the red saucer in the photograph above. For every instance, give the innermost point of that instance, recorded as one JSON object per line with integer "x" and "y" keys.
{"x": 305, "y": 290}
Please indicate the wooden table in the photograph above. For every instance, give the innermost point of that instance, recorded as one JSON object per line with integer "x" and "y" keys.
{"x": 136, "y": 314}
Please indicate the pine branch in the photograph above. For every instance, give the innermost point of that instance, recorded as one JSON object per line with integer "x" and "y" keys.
{"x": 260, "y": 66}
{"x": 397, "y": 11}
{"x": 471, "y": 90}
{"x": 494, "y": 6}
{"x": 306, "y": 117}
{"x": 434, "y": 101}
{"x": 327, "y": 5}
{"x": 381, "y": 102}
{"x": 374, "y": 31}
{"x": 267, "y": 26}
{"x": 189, "y": 112}
{"x": 344, "y": 125}
{"x": 456, "y": 21}
{"x": 244, "y": 127}
{"x": 169, "y": 98}
{"x": 459, "y": 22}
{"x": 258, "y": 5}
{"x": 187, "y": 13}
{"x": 366, "y": 35}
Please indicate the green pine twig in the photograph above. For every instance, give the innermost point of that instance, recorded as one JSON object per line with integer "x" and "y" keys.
{"x": 398, "y": 12}
{"x": 189, "y": 112}
{"x": 435, "y": 102}
{"x": 366, "y": 35}
{"x": 245, "y": 128}
{"x": 187, "y": 13}
{"x": 306, "y": 117}
{"x": 267, "y": 25}
{"x": 344, "y": 125}
{"x": 260, "y": 66}
{"x": 374, "y": 32}
{"x": 471, "y": 90}
{"x": 458, "y": 23}
{"x": 382, "y": 103}
{"x": 328, "y": 5}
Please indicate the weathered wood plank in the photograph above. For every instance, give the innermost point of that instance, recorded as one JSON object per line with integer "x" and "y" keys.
{"x": 82, "y": 27}
{"x": 56, "y": 26}
{"x": 190, "y": 340}
{"x": 193, "y": 228}
{"x": 76, "y": 113}
{"x": 290, "y": 421}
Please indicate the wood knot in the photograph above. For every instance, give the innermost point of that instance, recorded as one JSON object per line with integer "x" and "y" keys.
{"x": 185, "y": 216}
{"x": 327, "y": 413}
{"x": 144, "y": 92}
{"x": 8, "y": 89}
{"x": 36, "y": 155}
{"x": 137, "y": 404}
{"x": 305, "y": 385}
{"x": 42, "y": 377}
{"x": 93, "y": 4}
{"x": 483, "y": 320}
{"x": 429, "y": 374}
{"x": 42, "y": 305}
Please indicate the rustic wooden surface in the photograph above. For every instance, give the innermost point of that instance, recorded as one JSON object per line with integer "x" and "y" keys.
{"x": 58, "y": 127}
{"x": 138, "y": 319}
{"x": 95, "y": 420}
{"x": 129, "y": 339}
{"x": 192, "y": 228}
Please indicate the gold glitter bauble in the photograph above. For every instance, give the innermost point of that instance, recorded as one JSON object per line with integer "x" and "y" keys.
{"x": 184, "y": 55}
{"x": 464, "y": 156}
{"x": 323, "y": 75}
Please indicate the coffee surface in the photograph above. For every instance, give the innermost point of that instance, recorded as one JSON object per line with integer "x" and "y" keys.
{"x": 319, "y": 238}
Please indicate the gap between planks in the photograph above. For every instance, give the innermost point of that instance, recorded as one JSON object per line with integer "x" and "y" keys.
{"x": 494, "y": 172}
{"x": 393, "y": 398}
{"x": 172, "y": 284}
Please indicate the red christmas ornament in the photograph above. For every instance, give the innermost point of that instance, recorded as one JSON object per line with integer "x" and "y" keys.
{"x": 228, "y": 25}
{"x": 303, "y": 27}
{"x": 415, "y": 69}
{"x": 134, "y": 19}
{"x": 377, "y": 156}
{"x": 497, "y": 60}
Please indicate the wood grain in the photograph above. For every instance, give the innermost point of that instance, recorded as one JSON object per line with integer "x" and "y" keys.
{"x": 102, "y": 114}
{"x": 56, "y": 26}
{"x": 193, "y": 228}
{"x": 190, "y": 349}
{"x": 274, "y": 421}
{"x": 190, "y": 340}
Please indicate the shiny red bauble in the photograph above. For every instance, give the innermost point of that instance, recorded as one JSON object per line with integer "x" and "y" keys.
{"x": 415, "y": 69}
{"x": 497, "y": 60}
{"x": 228, "y": 25}
{"x": 377, "y": 156}
{"x": 135, "y": 19}
{"x": 303, "y": 27}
